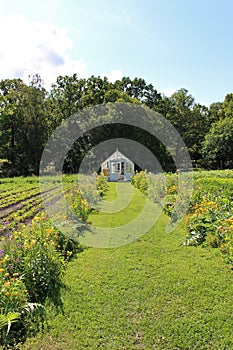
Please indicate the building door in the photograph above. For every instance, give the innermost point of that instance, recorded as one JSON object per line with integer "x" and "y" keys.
{"x": 119, "y": 169}
{"x": 122, "y": 168}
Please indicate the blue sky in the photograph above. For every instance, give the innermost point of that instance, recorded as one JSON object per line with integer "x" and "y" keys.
{"x": 171, "y": 44}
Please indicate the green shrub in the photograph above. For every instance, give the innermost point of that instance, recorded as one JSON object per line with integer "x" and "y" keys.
{"x": 101, "y": 184}
{"x": 32, "y": 264}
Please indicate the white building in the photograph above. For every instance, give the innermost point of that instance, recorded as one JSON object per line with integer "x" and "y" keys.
{"x": 118, "y": 167}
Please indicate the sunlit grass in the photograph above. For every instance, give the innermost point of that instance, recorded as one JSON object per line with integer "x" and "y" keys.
{"x": 123, "y": 216}
{"x": 151, "y": 294}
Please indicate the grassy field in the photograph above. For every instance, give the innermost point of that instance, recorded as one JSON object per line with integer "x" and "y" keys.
{"x": 151, "y": 294}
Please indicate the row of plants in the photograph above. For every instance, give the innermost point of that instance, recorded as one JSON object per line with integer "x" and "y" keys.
{"x": 23, "y": 212}
{"x": 210, "y": 219}
{"x": 22, "y": 189}
{"x": 210, "y": 214}
{"x": 81, "y": 199}
{"x": 84, "y": 195}
{"x": 160, "y": 188}
{"x": 5, "y": 193}
{"x": 151, "y": 185}
{"x": 33, "y": 259}
{"x": 32, "y": 264}
{"x": 17, "y": 182}
{"x": 18, "y": 197}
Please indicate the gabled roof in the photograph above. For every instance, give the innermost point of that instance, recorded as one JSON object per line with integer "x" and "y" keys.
{"x": 117, "y": 155}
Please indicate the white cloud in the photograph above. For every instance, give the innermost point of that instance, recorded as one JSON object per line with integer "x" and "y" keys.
{"x": 29, "y": 47}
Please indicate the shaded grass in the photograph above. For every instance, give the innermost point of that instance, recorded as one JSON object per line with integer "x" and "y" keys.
{"x": 151, "y": 294}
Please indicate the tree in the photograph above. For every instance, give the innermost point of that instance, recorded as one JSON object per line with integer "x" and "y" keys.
{"x": 218, "y": 144}
{"x": 36, "y": 124}
{"x": 227, "y": 106}
{"x": 195, "y": 134}
{"x": 65, "y": 97}
{"x": 189, "y": 119}
{"x": 24, "y": 124}
{"x": 179, "y": 113}
{"x": 70, "y": 95}
{"x": 29, "y": 115}
{"x": 139, "y": 89}
{"x": 216, "y": 112}
{"x": 11, "y": 122}
{"x": 94, "y": 91}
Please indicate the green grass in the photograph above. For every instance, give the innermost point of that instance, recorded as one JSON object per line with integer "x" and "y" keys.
{"x": 121, "y": 217}
{"x": 150, "y": 294}
{"x": 111, "y": 194}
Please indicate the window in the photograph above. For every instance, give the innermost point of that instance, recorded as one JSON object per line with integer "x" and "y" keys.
{"x": 115, "y": 168}
{"x": 129, "y": 168}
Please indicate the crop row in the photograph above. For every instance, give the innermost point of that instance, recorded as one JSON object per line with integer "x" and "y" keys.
{"x": 15, "y": 191}
{"x": 18, "y": 197}
{"x": 210, "y": 220}
{"x": 25, "y": 211}
{"x": 24, "y": 205}
{"x": 21, "y": 192}
{"x": 210, "y": 213}
{"x": 33, "y": 258}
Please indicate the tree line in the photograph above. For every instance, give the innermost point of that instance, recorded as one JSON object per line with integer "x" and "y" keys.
{"x": 29, "y": 114}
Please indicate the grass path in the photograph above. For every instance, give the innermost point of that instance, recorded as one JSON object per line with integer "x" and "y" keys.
{"x": 151, "y": 294}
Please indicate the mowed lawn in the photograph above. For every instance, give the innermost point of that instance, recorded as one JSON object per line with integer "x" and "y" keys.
{"x": 150, "y": 294}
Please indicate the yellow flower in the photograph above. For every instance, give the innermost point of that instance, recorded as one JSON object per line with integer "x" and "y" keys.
{"x": 33, "y": 242}
{"x": 7, "y": 284}
{"x": 8, "y": 294}
{"x": 6, "y": 274}
{"x": 50, "y": 230}
{"x": 1, "y": 270}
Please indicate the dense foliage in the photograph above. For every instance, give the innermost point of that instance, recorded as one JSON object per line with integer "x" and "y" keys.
{"x": 29, "y": 114}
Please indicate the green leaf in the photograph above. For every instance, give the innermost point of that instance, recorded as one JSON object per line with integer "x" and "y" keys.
{"x": 7, "y": 320}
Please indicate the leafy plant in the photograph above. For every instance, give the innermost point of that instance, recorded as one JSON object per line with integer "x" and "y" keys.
{"x": 101, "y": 184}
{"x": 7, "y": 320}
{"x": 211, "y": 212}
